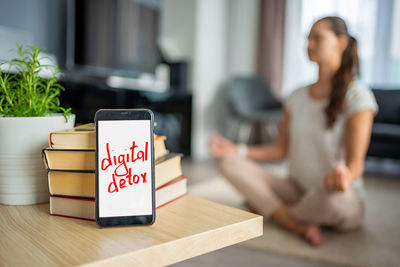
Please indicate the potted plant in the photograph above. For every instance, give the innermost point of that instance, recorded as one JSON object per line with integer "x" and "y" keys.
{"x": 29, "y": 110}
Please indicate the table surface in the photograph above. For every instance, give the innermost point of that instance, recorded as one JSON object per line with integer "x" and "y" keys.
{"x": 185, "y": 228}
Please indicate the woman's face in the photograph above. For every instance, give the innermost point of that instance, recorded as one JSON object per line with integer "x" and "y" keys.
{"x": 323, "y": 44}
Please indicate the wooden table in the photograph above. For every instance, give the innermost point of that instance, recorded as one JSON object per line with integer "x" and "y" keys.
{"x": 188, "y": 227}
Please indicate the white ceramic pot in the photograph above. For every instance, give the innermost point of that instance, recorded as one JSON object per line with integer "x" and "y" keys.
{"x": 23, "y": 176}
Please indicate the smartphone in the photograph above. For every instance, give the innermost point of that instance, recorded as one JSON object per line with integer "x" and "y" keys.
{"x": 125, "y": 193}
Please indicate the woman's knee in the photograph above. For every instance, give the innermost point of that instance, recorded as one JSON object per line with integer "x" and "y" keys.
{"x": 234, "y": 167}
{"x": 336, "y": 209}
{"x": 226, "y": 164}
{"x": 353, "y": 219}
{"x": 346, "y": 209}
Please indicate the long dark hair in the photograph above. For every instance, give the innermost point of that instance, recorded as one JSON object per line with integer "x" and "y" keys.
{"x": 349, "y": 69}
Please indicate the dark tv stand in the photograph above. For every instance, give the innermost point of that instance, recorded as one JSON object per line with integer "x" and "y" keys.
{"x": 172, "y": 109}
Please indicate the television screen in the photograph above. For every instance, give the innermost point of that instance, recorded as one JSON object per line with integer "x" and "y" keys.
{"x": 113, "y": 36}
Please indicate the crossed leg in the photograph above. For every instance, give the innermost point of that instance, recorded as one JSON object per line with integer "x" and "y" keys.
{"x": 262, "y": 190}
{"x": 269, "y": 195}
{"x": 285, "y": 203}
{"x": 341, "y": 210}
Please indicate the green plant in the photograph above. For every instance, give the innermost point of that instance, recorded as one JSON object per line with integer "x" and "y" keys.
{"x": 25, "y": 93}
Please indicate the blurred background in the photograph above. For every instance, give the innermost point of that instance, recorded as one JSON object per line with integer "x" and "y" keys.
{"x": 226, "y": 66}
{"x": 180, "y": 58}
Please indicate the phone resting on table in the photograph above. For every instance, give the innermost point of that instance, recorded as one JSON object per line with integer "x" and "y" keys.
{"x": 125, "y": 193}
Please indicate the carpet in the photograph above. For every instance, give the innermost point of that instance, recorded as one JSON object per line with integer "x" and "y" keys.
{"x": 376, "y": 243}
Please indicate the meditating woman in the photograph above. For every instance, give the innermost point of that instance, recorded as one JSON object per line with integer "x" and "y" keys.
{"x": 324, "y": 134}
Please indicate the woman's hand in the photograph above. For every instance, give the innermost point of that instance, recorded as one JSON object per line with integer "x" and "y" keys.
{"x": 338, "y": 180}
{"x": 358, "y": 134}
{"x": 220, "y": 146}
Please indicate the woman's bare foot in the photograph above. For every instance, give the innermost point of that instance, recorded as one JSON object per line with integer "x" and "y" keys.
{"x": 311, "y": 233}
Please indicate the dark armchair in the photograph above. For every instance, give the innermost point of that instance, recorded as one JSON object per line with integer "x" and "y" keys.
{"x": 253, "y": 104}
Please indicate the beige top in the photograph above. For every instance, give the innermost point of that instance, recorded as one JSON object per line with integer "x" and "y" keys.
{"x": 314, "y": 150}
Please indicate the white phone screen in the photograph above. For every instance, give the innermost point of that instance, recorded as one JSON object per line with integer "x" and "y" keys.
{"x": 124, "y": 168}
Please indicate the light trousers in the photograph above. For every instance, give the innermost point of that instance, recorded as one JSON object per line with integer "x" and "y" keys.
{"x": 266, "y": 192}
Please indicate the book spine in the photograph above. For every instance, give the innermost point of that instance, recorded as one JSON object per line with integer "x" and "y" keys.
{"x": 50, "y": 142}
{"x": 172, "y": 200}
{"x": 48, "y": 182}
{"x": 44, "y": 158}
{"x": 94, "y": 219}
{"x": 73, "y": 217}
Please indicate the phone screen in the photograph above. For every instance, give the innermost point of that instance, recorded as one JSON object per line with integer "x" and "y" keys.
{"x": 124, "y": 165}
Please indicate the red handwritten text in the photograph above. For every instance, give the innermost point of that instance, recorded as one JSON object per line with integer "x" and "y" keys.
{"x": 121, "y": 167}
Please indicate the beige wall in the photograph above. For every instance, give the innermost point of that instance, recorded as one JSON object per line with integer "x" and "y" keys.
{"x": 218, "y": 38}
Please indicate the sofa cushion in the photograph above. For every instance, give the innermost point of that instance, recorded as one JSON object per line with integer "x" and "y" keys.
{"x": 389, "y": 105}
{"x": 386, "y": 130}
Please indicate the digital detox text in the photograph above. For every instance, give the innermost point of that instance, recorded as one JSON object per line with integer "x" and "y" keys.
{"x": 122, "y": 175}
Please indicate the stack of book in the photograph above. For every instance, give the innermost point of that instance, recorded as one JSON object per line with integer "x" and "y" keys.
{"x": 70, "y": 160}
